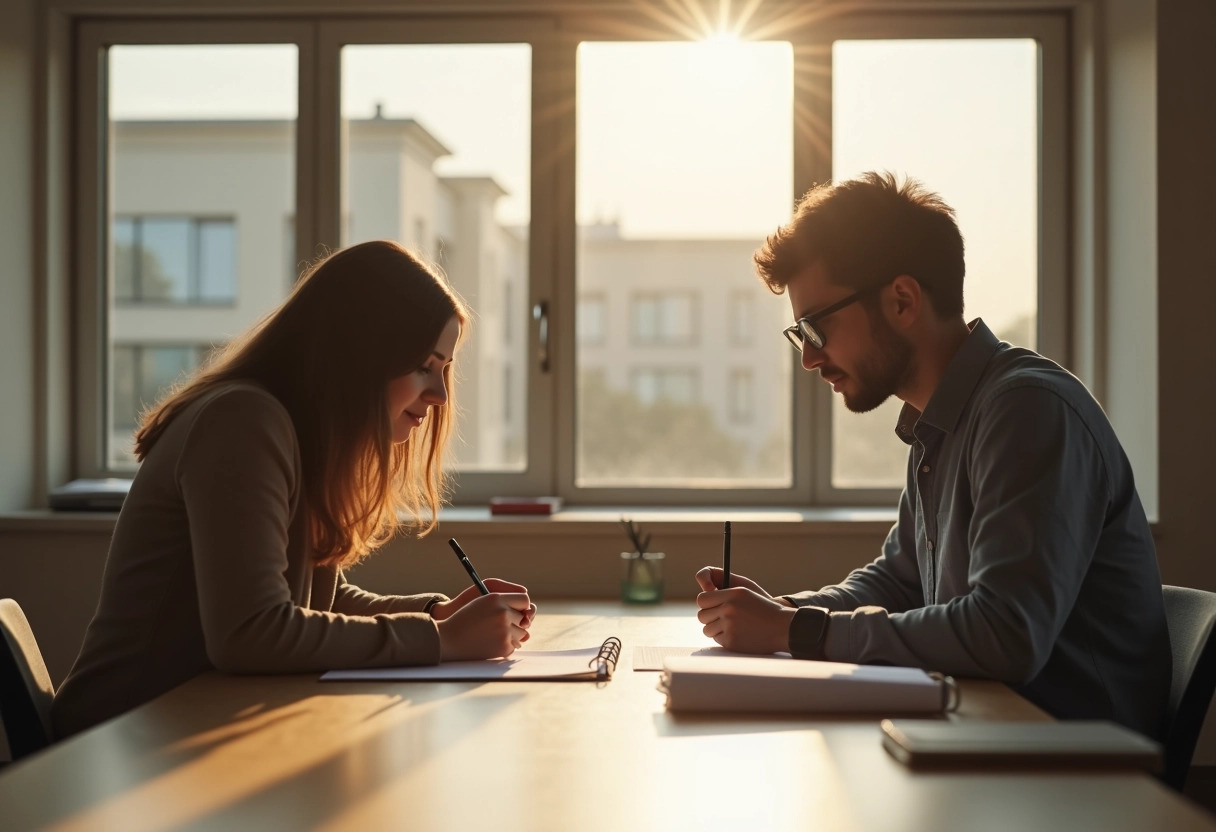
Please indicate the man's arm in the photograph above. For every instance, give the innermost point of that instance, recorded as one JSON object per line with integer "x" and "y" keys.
{"x": 1039, "y": 485}
{"x": 892, "y": 581}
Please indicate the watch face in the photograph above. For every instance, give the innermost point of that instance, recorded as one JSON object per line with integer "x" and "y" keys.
{"x": 808, "y": 631}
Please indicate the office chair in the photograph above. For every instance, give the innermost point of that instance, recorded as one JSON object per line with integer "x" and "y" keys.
{"x": 1190, "y": 615}
{"x": 25, "y": 686}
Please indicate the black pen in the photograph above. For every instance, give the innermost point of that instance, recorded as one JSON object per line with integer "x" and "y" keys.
{"x": 726, "y": 555}
{"x": 468, "y": 566}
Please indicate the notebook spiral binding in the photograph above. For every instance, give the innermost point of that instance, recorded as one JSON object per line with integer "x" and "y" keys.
{"x": 950, "y": 691}
{"x": 604, "y": 662}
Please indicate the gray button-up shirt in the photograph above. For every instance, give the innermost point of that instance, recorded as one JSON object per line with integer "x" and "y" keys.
{"x": 1021, "y": 552}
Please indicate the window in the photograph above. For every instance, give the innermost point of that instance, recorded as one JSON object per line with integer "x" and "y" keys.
{"x": 663, "y": 320}
{"x": 143, "y": 374}
{"x": 198, "y": 141}
{"x": 589, "y": 323}
{"x": 419, "y": 160}
{"x": 944, "y": 109}
{"x": 188, "y": 260}
{"x": 596, "y": 201}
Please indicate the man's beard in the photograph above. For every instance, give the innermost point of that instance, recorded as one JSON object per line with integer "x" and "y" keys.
{"x": 888, "y": 369}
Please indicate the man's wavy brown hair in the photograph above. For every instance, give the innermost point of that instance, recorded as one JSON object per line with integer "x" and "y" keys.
{"x": 355, "y": 320}
{"x": 867, "y": 230}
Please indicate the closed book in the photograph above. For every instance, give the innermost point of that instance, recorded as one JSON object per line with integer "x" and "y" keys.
{"x": 525, "y": 505}
{"x": 761, "y": 684}
{"x": 1068, "y": 744}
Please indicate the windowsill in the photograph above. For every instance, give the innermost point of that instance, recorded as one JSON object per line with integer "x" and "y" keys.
{"x": 477, "y": 519}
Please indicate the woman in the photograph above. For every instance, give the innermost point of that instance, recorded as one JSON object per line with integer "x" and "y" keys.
{"x": 282, "y": 462}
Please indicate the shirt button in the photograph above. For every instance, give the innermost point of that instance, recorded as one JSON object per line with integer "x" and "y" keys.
{"x": 924, "y": 469}
{"x": 929, "y": 543}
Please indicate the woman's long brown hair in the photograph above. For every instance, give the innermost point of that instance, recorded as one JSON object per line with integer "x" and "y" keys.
{"x": 355, "y": 320}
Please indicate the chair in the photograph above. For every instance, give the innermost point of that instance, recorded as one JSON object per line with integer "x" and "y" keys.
{"x": 25, "y": 686}
{"x": 1190, "y": 615}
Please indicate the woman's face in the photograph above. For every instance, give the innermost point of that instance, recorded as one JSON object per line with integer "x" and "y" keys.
{"x": 411, "y": 396}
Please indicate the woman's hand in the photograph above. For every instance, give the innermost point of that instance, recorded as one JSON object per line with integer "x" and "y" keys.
{"x": 445, "y": 609}
{"x": 485, "y": 626}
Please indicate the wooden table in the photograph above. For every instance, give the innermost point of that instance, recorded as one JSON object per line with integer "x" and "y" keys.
{"x": 291, "y": 753}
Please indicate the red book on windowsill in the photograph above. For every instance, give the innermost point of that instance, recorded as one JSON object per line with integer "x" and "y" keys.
{"x": 525, "y": 505}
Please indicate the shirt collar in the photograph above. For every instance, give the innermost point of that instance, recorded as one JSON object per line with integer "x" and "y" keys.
{"x": 957, "y": 384}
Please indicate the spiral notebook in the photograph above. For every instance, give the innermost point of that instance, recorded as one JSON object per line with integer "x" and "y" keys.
{"x": 590, "y": 664}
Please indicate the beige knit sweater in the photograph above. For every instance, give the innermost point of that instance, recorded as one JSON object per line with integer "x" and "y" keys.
{"x": 210, "y": 567}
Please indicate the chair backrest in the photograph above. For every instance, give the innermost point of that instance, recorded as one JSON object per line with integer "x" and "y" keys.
{"x": 25, "y": 686}
{"x": 1190, "y": 615}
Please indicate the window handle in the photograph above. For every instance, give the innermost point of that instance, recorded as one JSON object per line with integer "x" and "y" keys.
{"x": 540, "y": 314}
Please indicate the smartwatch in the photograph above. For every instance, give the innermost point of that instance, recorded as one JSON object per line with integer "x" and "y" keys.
{"x": 808, "y": 632}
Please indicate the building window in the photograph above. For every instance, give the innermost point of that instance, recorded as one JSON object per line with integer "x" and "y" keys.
{"x": 187, "y": 260}
{"x": 144, "y": 373}
{"x": 663, "y": 319}
{"x": 739, "y": 396}
{"x": 589, "y": 323}
{"x": 677, "y": 385}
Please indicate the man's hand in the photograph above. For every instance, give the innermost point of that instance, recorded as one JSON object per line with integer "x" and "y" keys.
{"x": 446, "y": 609}
{"x": 744, "y": 620}
{"x": 710, "y": 578}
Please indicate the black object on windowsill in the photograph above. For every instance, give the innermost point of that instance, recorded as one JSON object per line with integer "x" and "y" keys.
{"x": 90, "y": 495}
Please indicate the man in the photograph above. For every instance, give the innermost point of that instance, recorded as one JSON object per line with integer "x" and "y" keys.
{"x": 1021, "y": 552}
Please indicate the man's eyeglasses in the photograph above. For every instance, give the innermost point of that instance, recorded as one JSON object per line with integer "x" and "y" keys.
{"x": 807, "y": 331}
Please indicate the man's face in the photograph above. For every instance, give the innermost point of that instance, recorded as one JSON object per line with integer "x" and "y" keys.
{"x": 863, "y": 357}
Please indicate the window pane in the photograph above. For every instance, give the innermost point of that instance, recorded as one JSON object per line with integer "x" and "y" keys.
{"x": 672, "y": 200}
{"x": 159, "y": 368}
{"x": 125, "y": 255}
{"x": 961, "y": 116}
{"x": 589, "y": 320}
{"x": 201, "y": 147}
{"x": 126, "y": 399}
{"x": 164, "y": 259}
{"x": 217, "y": 261}
{"x": 422, "y": 168}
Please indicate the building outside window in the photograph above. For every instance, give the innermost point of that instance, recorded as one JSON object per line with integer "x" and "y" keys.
{"x": 590, "y": 325}
{"x": 663, "y": 319}
{"x": 143, "y": 373}
{"x": 186, "y": 260}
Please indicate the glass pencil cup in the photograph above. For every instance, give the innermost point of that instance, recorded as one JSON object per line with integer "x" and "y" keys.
{"x": 642, "y": 577}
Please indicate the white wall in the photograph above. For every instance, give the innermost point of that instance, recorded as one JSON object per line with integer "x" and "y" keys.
{"x": 1131, "y": 254}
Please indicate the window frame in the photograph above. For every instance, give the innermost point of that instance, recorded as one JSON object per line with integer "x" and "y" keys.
{"x": 538, "y": 31}
{"x": 92, "y": 191}
{"x": 552, "y": 253}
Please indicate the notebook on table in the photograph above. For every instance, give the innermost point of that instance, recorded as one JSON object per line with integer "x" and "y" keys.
{"x": 590, "y": 664}
{"x": 1071, "y": 744}
{"x": 764, "y": 684}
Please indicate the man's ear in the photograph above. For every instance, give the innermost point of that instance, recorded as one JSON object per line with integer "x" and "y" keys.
{"x": 907, "y": 298}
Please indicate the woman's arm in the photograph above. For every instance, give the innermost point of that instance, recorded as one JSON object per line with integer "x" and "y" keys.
{"x": 239, "y": 478}
{"x": 352, "y": 600}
